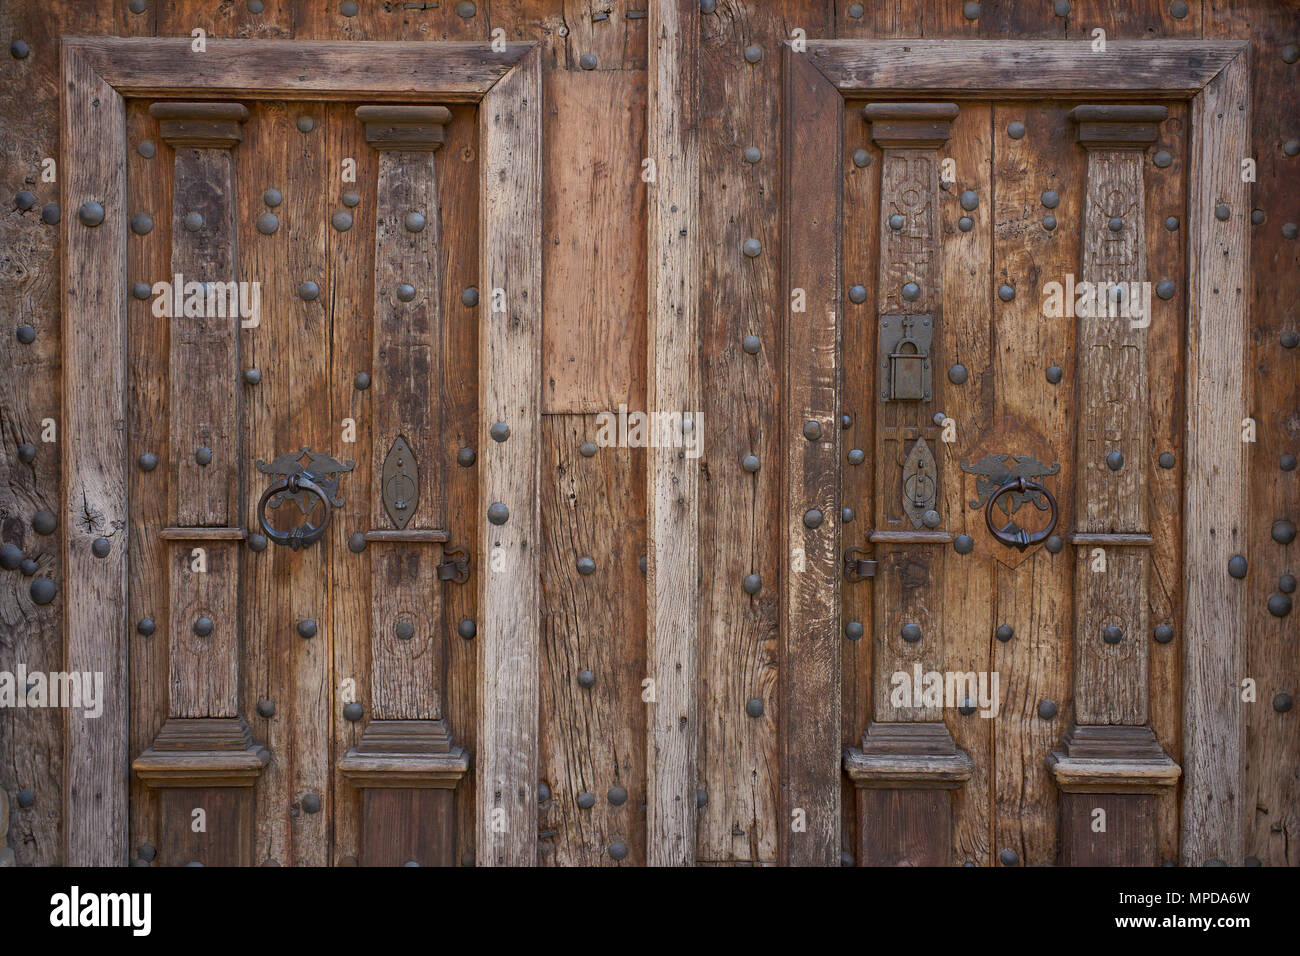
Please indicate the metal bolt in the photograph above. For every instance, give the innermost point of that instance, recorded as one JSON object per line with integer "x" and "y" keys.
{"x": 348, "y": 8}
{"x": 750, "y": 463}
{"x": 1283, "y": 532}
{"x": 311, "y": 803}
{"x": 1049, "y": 223}
{"x": 404, "y": 630}
{"x": 752, "y": 154}
{"x": 958, "y": 374}
{"x": 91, "y": 213}
{"x": 911, "y": 291}
{"x": 266, "y": 708}
{"x": 268, "y": 223}
{"x": 965, "y": 223}
{"x": 308, "y": 291}
{"x": 306, "y": 124}
{"x": 1054, "y": 544}
{"x": 812, "y": 518}
{"x": 970, "y": 200}
{"x": 1222, "y": 212}
{"x": 753, "y": 53}
{"x": 1237, "y": 566}
{"x": 351, "y": 199}
{"x": 469, "y": 297}
{"x": 752, "y": 247}
{"x": 1112, "y": 634}
{"x": 1291, "y": 147}
{"x": 356, "y": 542}
{"x": 752, "y": 583}
{"x": 145, "y": 627}
{"x": 11, "y": 556}
{"x": 1282, "y": 703}
{"x": 1289, "y": 339}
{"x": 1257, "y": 217}
{"x": 51, "y": 214}
{"x": 966, "y": 707}
{"x": 858, "y": 294}
{"x": 1162, "y": 158}
{"x": 586, "y": 678}
{"x": 465, "y": 457}
{"x": 846, "y": 515}
{"x": 586, "y": 566}
{"x": 466, "y": 9}
{"x": 1115, "y": 461}
{"x": 812, "y": 429}
{"x": 361, "y": 381}
{"x": 1016, "y": 130}
{"x": 911, "y": 633}
{"x": 257, "y": 543}
{"x": 467, "y": 629}
{"x": 586, "y": 800}
{"x": 587, "y": 449}
{"x": 24, "y": 200}
{"x": 1172, "y": 223}
{"x": 963, "y": 544}
{"x": 861, "y": 158}
{"x": 931, "y": 519}
{"x": 896, "y": 222}
{"x": 203, "y": 455}
{"x": 1279, "y": 605}
{"x": 854, "y": 630}
{"x": 141, "y": 290}
{"x": 193, "y": 221}
{"x": 1050, "y": 199}
{"x": 1006, "y": 293}
{"x": 306, "y": 628}
{"x": 1005, "y": 632}
{"x": 751, "y": 344}
{"x": 42, "y": 590}
{"x": 254, "y": 6}
{"x": 1287, "y": 462}
{"x": 1290, "y": 231}
{"x": 27, "y": 452}
{"x": 405, "y": 292}
{"x": 1178, "y": 9}
{"x": 19, "y": 49}
{"x": 25, "y": 334}
{"x": 1286, "y": 583}
{"x": 26, "y": 799}
{"x": 414, "y": 222}
{"x": 203, "y": 626}
{"x": 1054, "y": 374}
{"x": 618, "y": 850}
{"x": 617, "y": 795}
{"x": 43, "y": 522}
{"x": 142, "y": 224}
{"x": 341, "y": 220}
{"x": 499, "y": 431}
{"x": 754, "y": 707}
{"x": 857, "y": 456}
{"x": 587, "y": 61}
{"x": 1009, "y": 858}
{"x": 100, "y": 547}
{"x": 353, "y": 711}
{"x": 1115, "y": 224}
{"x": 1163, "y": 633}
{"x": 1047, "y": 709}
{"x": 498, "y": 513}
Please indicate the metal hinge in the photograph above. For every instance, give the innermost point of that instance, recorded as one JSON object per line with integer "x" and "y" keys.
{"x": 857, "y": 565}
{"x": 455, "y": 566}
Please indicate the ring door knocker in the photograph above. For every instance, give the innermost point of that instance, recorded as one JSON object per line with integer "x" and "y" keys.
{"x": 1011, "y": 534}
{"x": 306, "y": 479}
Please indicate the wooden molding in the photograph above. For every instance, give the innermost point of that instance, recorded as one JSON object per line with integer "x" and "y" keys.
{"x": 905, "y": 755}
{"x": 399, "y": 754}
{"x": 1118, "y": 126}
{"x": 202, "y": 752}
{"x": 398, "y": 127}
{"x": 910, "y": 125}
{"x": 200, "y": 125}
{"x": 1112, "y": 759}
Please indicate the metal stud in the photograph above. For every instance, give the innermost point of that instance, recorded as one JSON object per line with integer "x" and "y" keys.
{"x": 971, "y": 10}
{"x": 498, "y": 513}
{"x": 272, "y": 197}
{"x": 1258, "y": 217}
{"x": 963, "y": 544}
{"x": 348, "y": 8}
{"x": 467, "y": 629}
{"x": 587, "y": 61}
{"x": 1172, "y": 223}
{"x": 306, "y": 124}
{"x": 858, "y": 294}
{"x": 1050, "y": 199}
{"x": 1282, "y": 703}
{"x": 1286, "y": 583}
{"x": 24, "y": 200}
{"x": 965, "y": 223}
{"x": 203, "y": 455}
{"x": 911, "y": 633}
{"x": 307, "y": 628}
{"x": 266, "y": 708}
{"x": 750, "y": 463}
{"x": 361, "y": 381}
{"x": 193, "y": 221}
{"x": 1016, "y": 130}
{"x": 147, "y": 149}
{"x": 586, "y": 678}
{"x": 1287, "y": 462}
{"x": 1237, "y": 566}
{"x": 19, "y": 49}
{"x": 1009, "y": 858}
{"x": 469, "y": 298}
{"x": 43, "y": 522}
{"x": 896, "y": 222}
{"x": 268, "y": 223}
{"x": 812, "y": 518}
{"x": 141, "y": 290}
{"x": 861, "y": 158}
{"x": 1162, "y": 158}
{"x": 846, "y": 515}
{"x": 812, "y": 429}
{"x": 1283, "y": 531}
{"x": 252, "y": 376}
{"x": 931, "y": 519}
{"x": 752, "y": 154}
{"x": 499, "y": 431}
{"x": 203, "y": 626}
{"x": 1047, "y": 709}
{"x": 308, "y": 291}
{"x": 28, "y": 567}
{"x": 466, "y": 9}
{"x": 857, "y": 456}
{"x": 257, "y": 543}
{"x": 751, "y": 344}
{"x": 42, "y": 590}
{"x": 618, "y": 850}
{"x": 142, "y": 224}
{"x": 855, "y": 11}
{"x": 1049, "y": 223}
{"x": 966, "y": 707}
{"x": 341, "y": 220}
{"x": 1116, "y": 224}
{"x": 465, "y": 457}
{"x": 405, "y": 292}
{"x": 753, "y": 53}
{"x": 100, "y": 547}
{"x": 1279, "y": 605}
{"x": 1054, "y": 374}
{"x": 1006, "y": 293}
{"x": 25, "y": 334}
{"x": 586, "y": 566}
{"x": 752, "y": 583}
{"x": 1163, "y": 633}
{"x": 587, "y": 449}
{"x": 640, "y": 563}
{"x": 970, "y": 200}
{"x": 51, "y": 214}
{"x": 1005, "y": 632}
{"x": 586, "y": 800}
{"x": 1290, "y": 53}
{"x": 958, "y": 374}
{"x": 26, "y": 799}
{"x": 1178, "y": 9}
{"x": 11, "y": 556}
{"x": 1290, "y": 231}
{"x": 1112, "y": 634}
{"x": 311, "y": 803}
{"x": 1222, "y": 212}
{"x": 754, "y": 707}
{"x": 91, "y": 213}
{"x": 1115, "y": 461}
{"x": 1165, "y": 289}
{"x": 911, "y": 291}
{"x": 404, "y": 630}
{"x": 752, "y": 247}
{"x": 1054, "y": 544}
{"x": 351, "y": 199}
{"x": 27, "y": 452}
{"x": 256, "y": 6}
{"x": 854, "y": 630}
{"x": 356, "y": 542}
{"x": 1166, "y": 460}
{"x": 617, "y": 795}
{"x": 414, "y": 222}
{"x": 1290, "y": 338}
{"x": 1291, "y": 147}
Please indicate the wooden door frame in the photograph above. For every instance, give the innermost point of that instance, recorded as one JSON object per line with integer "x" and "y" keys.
{"x": 1215, "y": 77}
{"x": 99, "y": 74}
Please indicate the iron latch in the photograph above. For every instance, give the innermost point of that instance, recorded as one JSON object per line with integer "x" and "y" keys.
{"x": 454, "y": 566}
{"x": 857, "y": 565}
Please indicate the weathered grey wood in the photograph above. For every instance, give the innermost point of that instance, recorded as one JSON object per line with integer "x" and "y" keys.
{"x": 809, "y": 706}
{"x": 324, "y": 69}
{"x": 94, "y": 460}
{"x": 1032, "y": 68}
{"x": 672, "y": 376}
{"x": 510, "y": 259}
{"x": 1214, "y": 508}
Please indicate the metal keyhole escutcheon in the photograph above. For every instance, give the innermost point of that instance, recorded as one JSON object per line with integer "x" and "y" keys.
{"x": 1011, "y": 534}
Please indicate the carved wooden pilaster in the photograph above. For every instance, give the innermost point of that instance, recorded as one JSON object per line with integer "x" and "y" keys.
{"x": 407, "y": 745}
{"x": 1111, "y": 749}
{"x": 907, "y": 745}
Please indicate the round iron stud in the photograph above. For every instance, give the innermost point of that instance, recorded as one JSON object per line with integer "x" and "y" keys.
{"x": 100, "y": 547}
{"x": 963, "y": 544}
{"x": 586, "y": 800}
{"x": 467, "y": 629}
{"x": 1290, "y": 53}
{"x": 469, "y": 298}
{"x": 193, "y": 221}
{"x": 257, "y": 543}
{"x": 348, "y": 8}
{"x": 356, "y": 542}
{"x": 752, "y": 247}
{"x": 1112, "y": 634}
{"x": 272, "y": 197}
{"x": 351, "y": 199}
{"x": 1162, "y": 158}
{"x": 43, "y": 522}
{"x": 141, "y": 290}
{"x": 586, "y": 678}
{"x": 256, "y": 6}
{"x": 1054, "y": 544}
{"x": 498, "y": 513}
{"x": 751, "y": 344}
{"x": 1163, "y": 633}
{"x": 911, "y": 292}
{"x": 147, "y": 149}
{"x": 543, "y": 792}
{"x": 857, "y": 456}
{"x": 203, "y": 455}
{"x": 753, "y": 53}
{"x": 752, "y": 154}
{"x": 24, "y": 200}
{"x": 404, "y": 630}
{"x": 1054, "y": 374}
{"x": 754, "y": 707}
{"x": 1279, "y": 605}
{"x": 931, "y": 519}
{"x": 203, "y": 626}
{"x": 958, "y": 374}
{"x": 28, "y": 567}
{"x": 1237, "y": 566}
{"x": 142, "y": 224}
{"x": 1178, "y": 9}
{"x": 26, "y": 799}
{"x": 1047, "y": 709}
{"x": 405, "y": 292}
{"x": 499, "y": 431}
{"x": 750, "y": 463}
{"x": 812, "y": 518}
{"x": 91, "y": 213}
{"x": 19, "y": 49}
{"x": 812, "y": 429}
{"x": 971, "y": 10}
{"x": 1287, "y": 462}
{"x": 1282, "y": 703}
{"x": 618, "y": 850}
{"x": 896, "y": 222}
{"x": 587, "y": 61}
{"x": 965, "y": 223}
{"x": 1290, "y": 231}
{"x": 752, "y": 583}
{"x": 466, "y": 457}
{"x": 854, "y": 630}
{"x": 858, "y": 294}
{"x": 587, "y": 449}
{"x": 51, "y": 214}
{"x": 1006, "y": 293}
{"x": 1222, "y": 212}
{"x": 966, "y": 707}
{"x": 1005, "y": 632}
{"x": 11, "y": 556}
{"x": 42, "y": 590}
{"x": 1016, "y": 130}
{"x": 361, "y": 381}
{"x": 1291, "y": 147}
{"x": 1258, "y": 217}
{"x": 1166, "y": 460}
{"x": 311, "y": 803}
{"x": 1172, "y": 223}
{"x": 414, "y": 222}
{"x": 856, "y": 11}
{"x": 911, "y": 633}
{"x": 617, "y": 795}
{"x": 1166, "y": 288}
{"x": 268, "y": 223}
{"x": 1283, "y": 531}
{"x": 1115, "y": 461}
{"x": 341, "y": 220}
{"x": 846, "y": 515}
{"x": 1049, "y": 223}
{"x": 266, "y": 709}
{"x": 306, "y": 124}
{"x": 1050, "y": 199}
{"x": 1286, "y": 583}
{"x": 27, "y": 453}
{"x": 1289, "y": 339}
{"x": 861, "y": 158}
{"x": 1009, "y": 858}
{"x": 25, "y": 334}
{"x": 586, "y": 566}
{"x": 308, "y": 291}
{"x": 466, "y": 9}
{"x": 970, "y": 200}
{"x": 307, "y": 628}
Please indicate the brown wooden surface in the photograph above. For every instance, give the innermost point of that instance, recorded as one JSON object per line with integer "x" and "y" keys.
{"x": 904, "y": 827}
{"x": 407, "y": 826}
{"x": 1128, "y": 837}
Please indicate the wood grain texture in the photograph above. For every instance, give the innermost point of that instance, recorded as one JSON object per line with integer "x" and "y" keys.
{"x": 510, "y": 259}
{"x": 809, "y": 706}
{"x": 988, "y": 67}
{"x": 407, "y": 826}
{"x": 94, "y": 460}
{"x": 1214, "y": 503}
{"x": 672, "y": 476}
{"x": 905, "y": 827}
{"x": 593, "y": 335}
{"x": 1122, "y": 834}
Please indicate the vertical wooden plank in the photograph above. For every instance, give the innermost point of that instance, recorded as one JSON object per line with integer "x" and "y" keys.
{"x": 592, "y": 725}
{"x": 672, "y": 386}
{"x": 94, "y": 461}
{"x": 1129, "y": 837}
{"x": 148, "y": 259}
{"x": 808, "y": 821}
{"x": 1215, "y": 492}
{"x": 510, "y": 260}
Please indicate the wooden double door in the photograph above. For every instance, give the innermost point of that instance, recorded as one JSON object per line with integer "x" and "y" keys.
{"x": 302, "y": 343}
{"x": 1012, "y": 461}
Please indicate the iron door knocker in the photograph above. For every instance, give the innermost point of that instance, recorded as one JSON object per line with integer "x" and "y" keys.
{"x": 303, "y": 535}
{"x": 1012, "y": 534}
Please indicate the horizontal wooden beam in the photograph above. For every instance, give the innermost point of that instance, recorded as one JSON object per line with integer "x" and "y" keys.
{"x": 1174, "y": 69}
{"x": 318, "y": 70}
